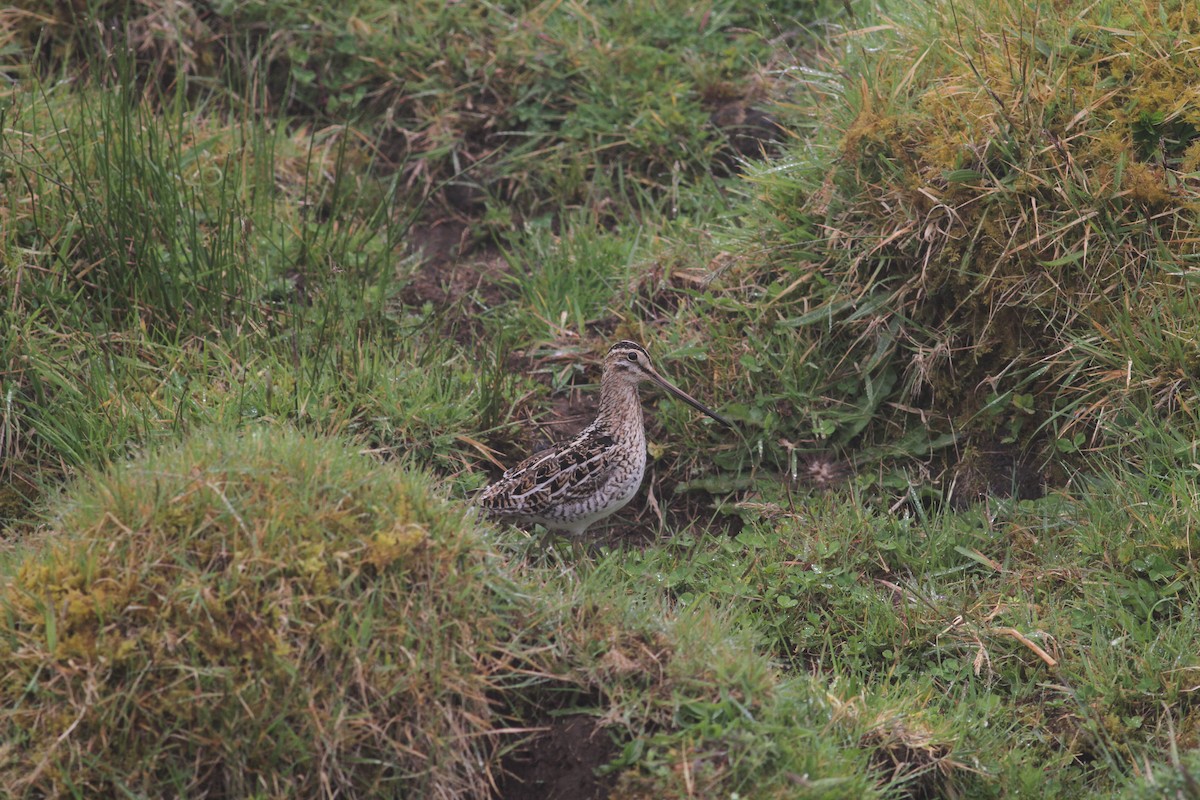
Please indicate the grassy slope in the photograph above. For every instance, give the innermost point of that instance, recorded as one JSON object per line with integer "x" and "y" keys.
{"x": 224, "y": 256}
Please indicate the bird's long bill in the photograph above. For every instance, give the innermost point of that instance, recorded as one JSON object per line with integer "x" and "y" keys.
{"x": 687, "y": 398}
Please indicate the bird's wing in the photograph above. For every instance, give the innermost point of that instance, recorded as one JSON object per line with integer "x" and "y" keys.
{"x": 554, "y": 478}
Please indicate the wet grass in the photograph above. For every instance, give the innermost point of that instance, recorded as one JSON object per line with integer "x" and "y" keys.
{"x": 282, "y": 285}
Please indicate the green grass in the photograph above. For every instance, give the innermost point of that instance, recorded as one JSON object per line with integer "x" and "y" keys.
{"x": 230, "y": 377}
{"x": 950, "y": 612}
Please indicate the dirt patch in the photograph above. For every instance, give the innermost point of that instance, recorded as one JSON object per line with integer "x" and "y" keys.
{"x": 456, "y": 276}
{"x": 568, "y": 416}
{"x": 750, "y": 134}
{"x": 662, "y": 291}
{"x": 440, "y": 241}
{"x": 560, "y": 763}
{"x": 992, "y": 469}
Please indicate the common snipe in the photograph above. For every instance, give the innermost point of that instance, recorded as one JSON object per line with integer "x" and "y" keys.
{"x": 573, "y": 484}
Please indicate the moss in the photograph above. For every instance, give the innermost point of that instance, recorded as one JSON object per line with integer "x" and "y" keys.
{"x": 1145, "y": 184}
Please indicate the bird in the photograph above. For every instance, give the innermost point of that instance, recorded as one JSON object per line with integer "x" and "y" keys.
{"x": 585, "y": 479}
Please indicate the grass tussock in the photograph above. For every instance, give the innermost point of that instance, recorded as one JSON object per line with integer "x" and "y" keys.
{"x": 263, "y": 615}
{"x": 999, "y": 194}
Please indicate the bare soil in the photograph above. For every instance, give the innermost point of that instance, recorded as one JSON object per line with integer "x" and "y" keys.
{"x": 993, "y": 469}
{"x": 456, "y": 275}
{"x": 560, "y": 763}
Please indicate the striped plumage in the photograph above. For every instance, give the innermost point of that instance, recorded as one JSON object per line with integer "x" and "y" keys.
{"x": 573, "y": 484}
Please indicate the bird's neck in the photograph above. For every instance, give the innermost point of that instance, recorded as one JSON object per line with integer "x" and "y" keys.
{"x": 620, "y": 411}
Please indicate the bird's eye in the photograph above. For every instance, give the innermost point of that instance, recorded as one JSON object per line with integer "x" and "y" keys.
{"x": 632, "y": 356}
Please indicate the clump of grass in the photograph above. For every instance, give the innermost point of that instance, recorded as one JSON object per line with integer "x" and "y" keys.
{"x": 704, "y": 714}
{"x": 1178, "y": 779}
{"x": 177, "y": 220}
{"x": 265, "y": 614}
{"x": 996, "y": 195}
{"x": 695, "y": 710}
